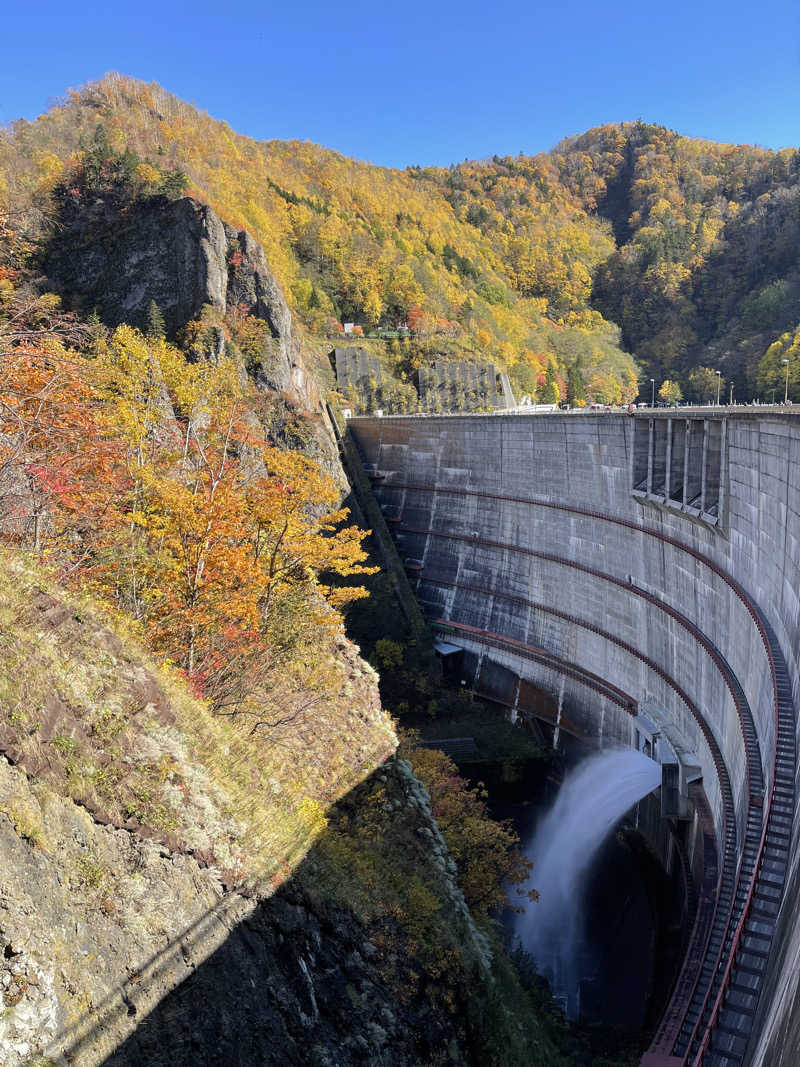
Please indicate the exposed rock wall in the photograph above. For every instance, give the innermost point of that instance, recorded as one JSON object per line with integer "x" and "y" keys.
{"x": 175, "y": 890}
{"x": 170, "y": 969}
{"x": 136, "y": 829}
{"x": 300, "y": 981}
{"x": 75, "y": 936}
{"x": 181, "y": 255}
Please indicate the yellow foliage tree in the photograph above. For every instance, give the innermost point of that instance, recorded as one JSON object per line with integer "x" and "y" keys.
{"x": 486, "y": 852}
{"x": 670, "y": 392}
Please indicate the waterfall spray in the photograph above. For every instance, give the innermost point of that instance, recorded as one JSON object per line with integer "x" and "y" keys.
{"x": 594, "y": 796}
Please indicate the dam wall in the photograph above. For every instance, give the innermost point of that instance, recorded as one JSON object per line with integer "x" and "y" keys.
{"x": 638, "y": 569}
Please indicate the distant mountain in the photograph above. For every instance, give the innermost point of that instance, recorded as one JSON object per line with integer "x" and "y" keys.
{"x": 626, "y": 244}
{"x": 706, "y": 269}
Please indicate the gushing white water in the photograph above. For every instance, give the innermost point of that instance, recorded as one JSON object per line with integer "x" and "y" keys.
{"x": 593, "y": 798}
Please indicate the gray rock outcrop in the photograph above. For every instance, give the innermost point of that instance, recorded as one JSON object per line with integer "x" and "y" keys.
{"x": 182, "y": 256}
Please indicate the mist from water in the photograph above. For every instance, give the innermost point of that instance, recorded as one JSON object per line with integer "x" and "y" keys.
{"x": 593, "y": 798}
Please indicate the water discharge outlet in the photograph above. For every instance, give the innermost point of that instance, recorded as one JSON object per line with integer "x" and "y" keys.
{"x": 594, "y": 797}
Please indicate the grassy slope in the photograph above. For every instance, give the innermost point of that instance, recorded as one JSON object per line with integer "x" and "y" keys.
{"x": 89, "y": 714}
{"x": 132, "y": 813}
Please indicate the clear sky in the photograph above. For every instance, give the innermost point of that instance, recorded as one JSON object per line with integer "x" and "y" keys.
{"x": 426, "y": 81}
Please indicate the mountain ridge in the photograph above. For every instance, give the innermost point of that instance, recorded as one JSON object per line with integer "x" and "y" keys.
{"x": 617, "y": 247}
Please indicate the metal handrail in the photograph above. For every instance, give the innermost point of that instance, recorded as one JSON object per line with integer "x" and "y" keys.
{"x": 725, "y": 982}
{"x": 603, "y": 517}
{"x": 668, "y": 609}
{"x": 592, "y": 627}
{"x": 594, "y": 681}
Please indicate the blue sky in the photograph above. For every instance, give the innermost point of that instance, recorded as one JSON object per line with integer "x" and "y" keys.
{"x": 427, "y": 82}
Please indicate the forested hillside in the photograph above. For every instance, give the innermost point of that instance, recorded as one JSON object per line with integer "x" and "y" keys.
{"x": 491, "y": 261}
{"x": 706, "y": 268}
{"x": 628, "y": 244}
{"x": 180, "y": 709}
{"x": 175, "y": 558}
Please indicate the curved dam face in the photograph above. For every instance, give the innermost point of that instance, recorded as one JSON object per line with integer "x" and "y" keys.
{"x": 645, "y": 572}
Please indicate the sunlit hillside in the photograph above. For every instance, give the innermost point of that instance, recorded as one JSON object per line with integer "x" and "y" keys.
{"x": 706, "y": 270}
{"x": 626, "y": 243}
{"x": 495, "y": 261}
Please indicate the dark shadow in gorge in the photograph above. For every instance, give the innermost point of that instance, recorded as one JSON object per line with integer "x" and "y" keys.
{"x": 306, "y": 978}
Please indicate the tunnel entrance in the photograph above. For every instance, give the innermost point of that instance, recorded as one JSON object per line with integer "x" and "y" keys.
{"x": 451, "y": 658}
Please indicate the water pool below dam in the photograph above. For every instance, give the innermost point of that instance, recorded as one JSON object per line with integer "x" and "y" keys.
{"x": 644, "y": 572}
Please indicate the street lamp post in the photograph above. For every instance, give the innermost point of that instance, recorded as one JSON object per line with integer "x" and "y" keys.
{"x": 653, "y": 392}
{"x": 719, "y": 384}
{"x": 786, "y": 390}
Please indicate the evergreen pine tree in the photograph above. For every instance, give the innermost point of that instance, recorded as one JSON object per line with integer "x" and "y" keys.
{"x": 174, "y": 184}
{"x": 97, "y": 328}
{"x": 575, "y": 387}
{"x": 156, "y": 327}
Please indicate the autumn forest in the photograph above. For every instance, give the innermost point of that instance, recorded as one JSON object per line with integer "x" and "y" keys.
{"x": 172, "y": 490}
{"x": 624, "y": 254}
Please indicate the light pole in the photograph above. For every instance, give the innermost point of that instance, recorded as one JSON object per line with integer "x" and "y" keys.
{"x": 653, "y": 391}
{"x": 786, "y": 390}
{"x": 719, "y": 384}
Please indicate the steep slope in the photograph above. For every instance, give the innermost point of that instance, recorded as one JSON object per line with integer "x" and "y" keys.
{"x": 132, "y": 819}
{"x": 351, "y": 241}
{"x": 686, "y": 245}
{"x": 118, "y": 259}
{"x": 155, "y": 857}
{"x": 707, "y": 268}
{"x": 260, "y": 851}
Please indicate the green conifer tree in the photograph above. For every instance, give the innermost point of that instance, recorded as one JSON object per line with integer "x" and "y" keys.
{"x": 575, "y": 387}
{"x": 155, "y": 328}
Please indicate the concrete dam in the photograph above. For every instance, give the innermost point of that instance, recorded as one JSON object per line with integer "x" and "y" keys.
{"x": 643, "y": 573}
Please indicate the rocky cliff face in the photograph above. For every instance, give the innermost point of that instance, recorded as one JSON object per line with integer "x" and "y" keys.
{"x": 117, "y": 950}
{"x": 182, "y": 256}
{"x": 175, "y": 891}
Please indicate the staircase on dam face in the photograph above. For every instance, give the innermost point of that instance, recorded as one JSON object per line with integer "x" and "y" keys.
{"x": 729, "y": 1021}
{"x": 734, "y": 884}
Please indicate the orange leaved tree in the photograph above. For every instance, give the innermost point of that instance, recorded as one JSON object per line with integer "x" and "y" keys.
{"x": 54, "y": 466}
{"x": 156, "y": 481}
{"x": 221, "y": 538}
{"x": 485, "y": 851}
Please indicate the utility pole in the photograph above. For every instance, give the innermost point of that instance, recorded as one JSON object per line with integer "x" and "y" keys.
{"x": 653, "y": 397}
{"x": 719, "y": 385}
{"x": 786, "y": 390}
{"x": 731, "y": 399}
